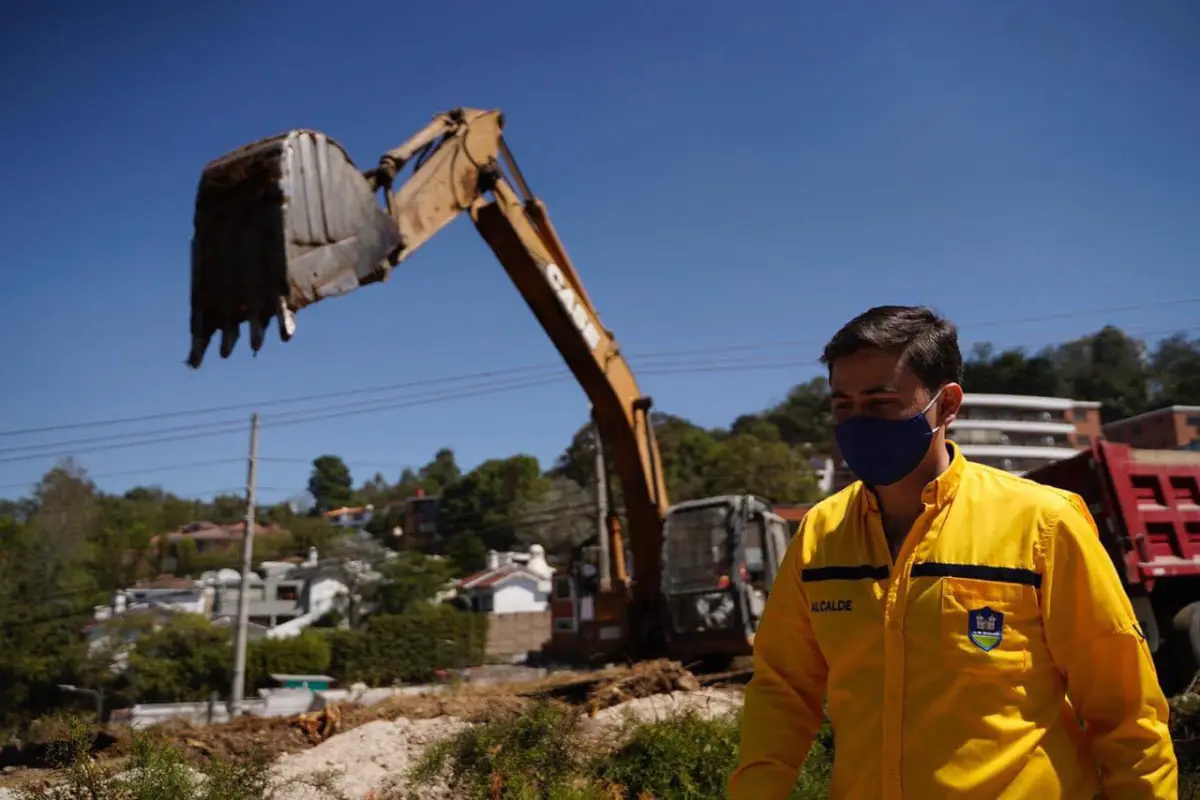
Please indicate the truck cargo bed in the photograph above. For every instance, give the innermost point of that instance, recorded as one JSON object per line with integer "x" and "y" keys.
{"x": 1145, "y": 502}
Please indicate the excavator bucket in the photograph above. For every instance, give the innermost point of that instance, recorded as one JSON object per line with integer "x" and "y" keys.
{"x": 281, "y": 224}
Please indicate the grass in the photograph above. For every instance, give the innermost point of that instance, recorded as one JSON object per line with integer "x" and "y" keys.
{"x": 545, "y": 754}
{"x": 158, "y": 769}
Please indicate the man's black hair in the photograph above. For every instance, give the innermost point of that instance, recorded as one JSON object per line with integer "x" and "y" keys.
{"x": 925, "y": 342}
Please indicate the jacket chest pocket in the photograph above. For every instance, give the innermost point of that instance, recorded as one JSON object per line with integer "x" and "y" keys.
{"x": 990, "y": 627}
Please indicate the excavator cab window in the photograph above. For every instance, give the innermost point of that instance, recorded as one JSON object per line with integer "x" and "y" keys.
{"x": 699, "y": 575}
{"x": 753, "y": 542}
{"x": 775, "y": 545}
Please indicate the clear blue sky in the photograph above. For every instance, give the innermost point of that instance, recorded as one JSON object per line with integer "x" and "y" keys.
{"x": 721, "y": 173}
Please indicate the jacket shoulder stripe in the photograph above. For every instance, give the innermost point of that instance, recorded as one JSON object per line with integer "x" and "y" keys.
{"x": 936, "y": 569}
{"x": 857, "y": 573}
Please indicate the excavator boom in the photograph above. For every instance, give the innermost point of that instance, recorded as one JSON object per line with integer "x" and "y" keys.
{"x": 289, "y": 221}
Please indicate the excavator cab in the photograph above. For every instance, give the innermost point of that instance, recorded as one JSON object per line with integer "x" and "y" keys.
{"x": 720, "y": 558}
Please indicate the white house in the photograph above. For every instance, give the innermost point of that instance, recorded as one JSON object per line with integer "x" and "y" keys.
{"x": 354, "y": 519}
{"x": 284, "y": 599}
{"x": 511, "y": 583}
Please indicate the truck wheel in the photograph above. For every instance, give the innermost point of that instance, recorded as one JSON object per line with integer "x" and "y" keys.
{"x": 1193, "y": 634}
{"x": 1182, "y": 650}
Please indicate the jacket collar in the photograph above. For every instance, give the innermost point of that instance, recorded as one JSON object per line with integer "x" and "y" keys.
{"x": 939, "y": 491}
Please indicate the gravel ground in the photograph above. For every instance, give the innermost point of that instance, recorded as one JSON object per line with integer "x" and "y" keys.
{"x": 372, "y": 757}
{"x": 366, "y": 758}
{"x": 368, "y": 762}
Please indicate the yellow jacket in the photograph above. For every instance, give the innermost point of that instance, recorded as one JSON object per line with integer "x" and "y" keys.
{"x": 949, "y": 679}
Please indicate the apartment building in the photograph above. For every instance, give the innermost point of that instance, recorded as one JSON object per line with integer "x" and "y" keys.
{"x": 1015, "y": 433}
{"x": 1171, "y": 428}
{"x": 1019, "y": 433}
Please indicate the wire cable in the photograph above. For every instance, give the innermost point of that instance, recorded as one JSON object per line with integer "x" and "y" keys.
{"x": 181, "y": 433}
{"x": 302, "y": 416}
{"x": 537, "y": 368}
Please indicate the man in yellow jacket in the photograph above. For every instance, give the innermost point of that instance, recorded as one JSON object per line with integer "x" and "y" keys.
{"x": 967, "y": 626}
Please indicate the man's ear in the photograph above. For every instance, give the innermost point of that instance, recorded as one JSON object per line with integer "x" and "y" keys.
{"x": 950, "y": 403}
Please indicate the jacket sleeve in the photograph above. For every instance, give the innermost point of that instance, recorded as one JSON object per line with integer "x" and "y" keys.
{"x": 783, "y": 702}
{"x": 1098, "y": 647}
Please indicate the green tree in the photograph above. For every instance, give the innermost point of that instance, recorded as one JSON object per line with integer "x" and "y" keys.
{"x": 1108, "y": 366}
{"x": 559, "y": 519}
{"x": 40, "y": 645}
{"x": 1175, "y": 366}
{"x": 439, "y": 474}
{"x": 309, "y": 532}
{"x": 757, "y": 426}
{"x": 412, "y": 579}
{"x": 688, "y": 452}
{"x": 67, "y": 510}
{"x": 226, "y": 509}
{"x": 374, "y": 492}
{"x": 749, "y": 465}
{"x": 578, "y": 462}
{"x": 484, "y": 502}
{"x": 330, "y": 483}
{"x": 187, "y": 659}
{"x": 1012, "y": 371}
{"x": 803, "y": 417}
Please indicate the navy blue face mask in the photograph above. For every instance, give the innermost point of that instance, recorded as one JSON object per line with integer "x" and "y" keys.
{"x": 882, "y": 451}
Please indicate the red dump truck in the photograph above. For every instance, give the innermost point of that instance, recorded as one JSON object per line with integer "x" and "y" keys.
{"x": 1147, "y": 506}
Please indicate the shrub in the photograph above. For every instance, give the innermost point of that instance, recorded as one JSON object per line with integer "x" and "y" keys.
{"x": 186, "y": 659}
{"x": 689, "y": 757}
{"x": 409, "y": 647}
{"x": 525, "y": 757}
{"x": 158, "y": 770}
{"x": 306, "y": 654}
{"x": 686, "y": 757}
{"x": 540, "y": 755}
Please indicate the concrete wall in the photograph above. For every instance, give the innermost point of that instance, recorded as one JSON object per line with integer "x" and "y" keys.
{"x": 519, "y": 595}
{"x": 270, "y": 703}
{"x": 519, "y": 633}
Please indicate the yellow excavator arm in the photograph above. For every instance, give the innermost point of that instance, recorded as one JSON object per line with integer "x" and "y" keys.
{"x": 288, "y": 221}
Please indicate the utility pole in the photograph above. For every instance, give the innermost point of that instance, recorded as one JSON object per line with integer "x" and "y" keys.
{"x": 238, "y": 689}
{"x": 602, "y": 511}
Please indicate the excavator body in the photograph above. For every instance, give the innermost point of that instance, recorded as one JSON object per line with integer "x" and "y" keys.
{"x": 720, "y": 558}
{"x": 290, "y": 221}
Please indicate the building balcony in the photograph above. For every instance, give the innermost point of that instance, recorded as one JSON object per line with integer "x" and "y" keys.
{"x": 1025, "y": 402}
{"x": 1013, "y": 426}
{"x": 1015, "y": 451}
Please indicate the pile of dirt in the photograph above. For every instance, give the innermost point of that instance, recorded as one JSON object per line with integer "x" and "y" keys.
{"x": 240, "y": 736}
{"x": 466, "y": 703}
{"x": 363, "y": 762}
{"x": 645, "y": 679}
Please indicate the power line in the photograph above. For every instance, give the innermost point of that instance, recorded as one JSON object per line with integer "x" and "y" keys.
{"x": 142, "y": 471}
{"x": 536, "y": 368}
{"x": 303, "y": 416}
{"x": 996, "y": 323}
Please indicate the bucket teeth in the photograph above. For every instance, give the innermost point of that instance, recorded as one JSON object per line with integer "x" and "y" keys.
{"x": 279, "y": 225}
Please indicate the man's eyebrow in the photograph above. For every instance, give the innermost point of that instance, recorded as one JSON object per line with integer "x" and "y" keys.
{"x": 883, "y": 388}
{"x": 839, "y": 396}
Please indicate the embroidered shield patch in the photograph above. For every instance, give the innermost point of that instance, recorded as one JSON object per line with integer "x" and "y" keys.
{"x": 985, "y": 628}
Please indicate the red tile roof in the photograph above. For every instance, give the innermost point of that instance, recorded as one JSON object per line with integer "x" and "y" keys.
{"x": 489, "y": 578}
